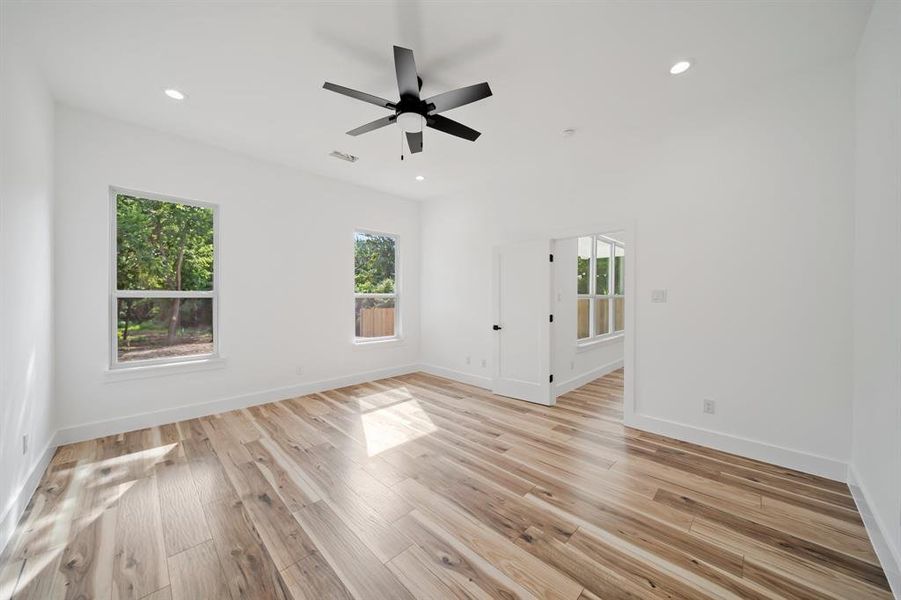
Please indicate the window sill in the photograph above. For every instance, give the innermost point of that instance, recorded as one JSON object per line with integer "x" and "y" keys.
{"x": 112, "y": 375}
{"x": 362, "y": 343}
{"x": 591, "y": 345}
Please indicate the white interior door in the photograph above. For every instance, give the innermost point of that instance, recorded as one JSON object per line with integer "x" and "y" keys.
{"x": 522, "y": 293}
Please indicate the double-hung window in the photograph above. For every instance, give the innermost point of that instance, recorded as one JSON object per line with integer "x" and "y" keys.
{"x": 375, "y": 287}
{"x": 163, "y": 297}
{"x": 600, "y": 289}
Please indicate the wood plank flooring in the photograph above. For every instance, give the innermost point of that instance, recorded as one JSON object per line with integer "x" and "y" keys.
{"x": 420, "y": 487}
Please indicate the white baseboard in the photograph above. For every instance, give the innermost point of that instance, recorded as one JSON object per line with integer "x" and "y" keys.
{"x": 570, "y": 384}
{"x": 889, "y": 556}
{"x": 785, "y": 457}
{"x": 20, "y": 499}
{"x": 809, "y": 463}
{"x": 88, "y": 431}
{"x": 468, "y": 378}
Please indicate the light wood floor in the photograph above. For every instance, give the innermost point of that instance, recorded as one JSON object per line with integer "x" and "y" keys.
{"x": 425, "y": 488}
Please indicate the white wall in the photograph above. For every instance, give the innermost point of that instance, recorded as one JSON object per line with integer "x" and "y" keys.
{"x": 744, "y": 214}
{"x": 26, "y": 274}
{"x": 286, "y": 260}
{"x": 876, "y": 456}
{"x": 575, "y": 366}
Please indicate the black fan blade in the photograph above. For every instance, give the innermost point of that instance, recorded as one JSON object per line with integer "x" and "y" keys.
{"x": 452, "y": 127}
{"x": 407, "y": 79}
{"x": 414, "y": 140}
{"x": 459, "y": 97}
{"x": 358, "y": 95}
{"x": 377, "y": 124}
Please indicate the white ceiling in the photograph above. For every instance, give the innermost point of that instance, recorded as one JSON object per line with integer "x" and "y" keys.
{"x": 254, "y": 71}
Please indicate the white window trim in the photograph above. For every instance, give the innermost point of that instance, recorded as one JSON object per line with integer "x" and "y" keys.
{"x": 156, "y": 366}
{"x": 593, "y": 340}
{"x": 388, "y": 340}
{"x": 586, "y": 344}
{"x": 145, "y": 371}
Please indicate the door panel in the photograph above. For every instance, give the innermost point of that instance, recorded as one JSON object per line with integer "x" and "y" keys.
{"x": 522, "y": 294}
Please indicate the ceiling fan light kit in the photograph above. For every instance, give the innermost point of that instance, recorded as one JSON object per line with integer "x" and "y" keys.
{"x": 412, "y": 113}
{"x": 410, "y": 122}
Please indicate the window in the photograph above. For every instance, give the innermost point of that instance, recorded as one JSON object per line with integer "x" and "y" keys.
{"x": 164, "y": 298}
{"x": 375, "y": 286}
{"x": 600, "y": 289}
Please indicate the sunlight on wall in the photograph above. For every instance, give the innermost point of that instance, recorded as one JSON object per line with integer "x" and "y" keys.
{"x": 397, "y": 418}
{"x": 31, "y": 372}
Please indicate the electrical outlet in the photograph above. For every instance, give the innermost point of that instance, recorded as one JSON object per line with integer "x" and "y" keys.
{"x": 25, "y": 444}
{"x": 658, "y": 296}
{"x": 468, "y": 359}
{"x": 709, "y": 407}
{"x": 484, "y": 362}
{"x": 299, "y": 370}
{"x": 572, "y": 365}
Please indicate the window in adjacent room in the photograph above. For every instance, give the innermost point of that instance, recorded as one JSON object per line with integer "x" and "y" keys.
{"x": 375, "y": 287}
{"x": 600, "y": 289}
{"x": 164, "y": 296}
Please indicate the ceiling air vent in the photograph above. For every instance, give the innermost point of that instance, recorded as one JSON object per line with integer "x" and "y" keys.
{"x": 344, "y": 156}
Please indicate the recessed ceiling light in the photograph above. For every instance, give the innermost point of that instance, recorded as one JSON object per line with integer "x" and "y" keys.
{"x": 680, "y": 67}
{"x": 174, "y": 94}
{"x": 419, "y": 178}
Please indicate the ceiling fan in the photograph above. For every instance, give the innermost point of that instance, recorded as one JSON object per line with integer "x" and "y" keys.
{"x": 411, "y": 113}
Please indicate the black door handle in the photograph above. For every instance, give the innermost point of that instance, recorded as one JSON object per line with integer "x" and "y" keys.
{"x": 496, "y": 327}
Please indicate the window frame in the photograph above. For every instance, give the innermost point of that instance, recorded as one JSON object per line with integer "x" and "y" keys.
{"x": 114, "y": 293}
{"x": 398, "y": 321}
{"x": 592, "y": 296}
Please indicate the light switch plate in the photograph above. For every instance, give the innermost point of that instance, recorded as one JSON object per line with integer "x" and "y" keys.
{"x": 658, "y": 296}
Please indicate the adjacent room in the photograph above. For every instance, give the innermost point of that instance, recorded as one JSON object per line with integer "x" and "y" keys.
{"x": 440, "y": 299}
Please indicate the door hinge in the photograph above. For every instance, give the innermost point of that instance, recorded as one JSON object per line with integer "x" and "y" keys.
{"x": 552, "y": 257}
{"x": 552, "y": 318}
{"x": 552, "y": 379}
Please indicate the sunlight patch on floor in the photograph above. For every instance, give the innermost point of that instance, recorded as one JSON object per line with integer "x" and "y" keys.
{"x": 9, "y": 575}
{"x": 377, "y": 400}
{"x": 34, "y": 565}
{"x": 395, "y": 424}
{"x": 53, "y": 530}
{"x": 111, "y": 469}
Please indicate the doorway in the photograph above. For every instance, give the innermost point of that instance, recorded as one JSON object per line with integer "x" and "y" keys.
{"x": 564, "y": 314}
{"x": 589, "y": 305}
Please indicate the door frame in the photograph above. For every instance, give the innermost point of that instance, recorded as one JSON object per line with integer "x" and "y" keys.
{"x": 630, "y": 363}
